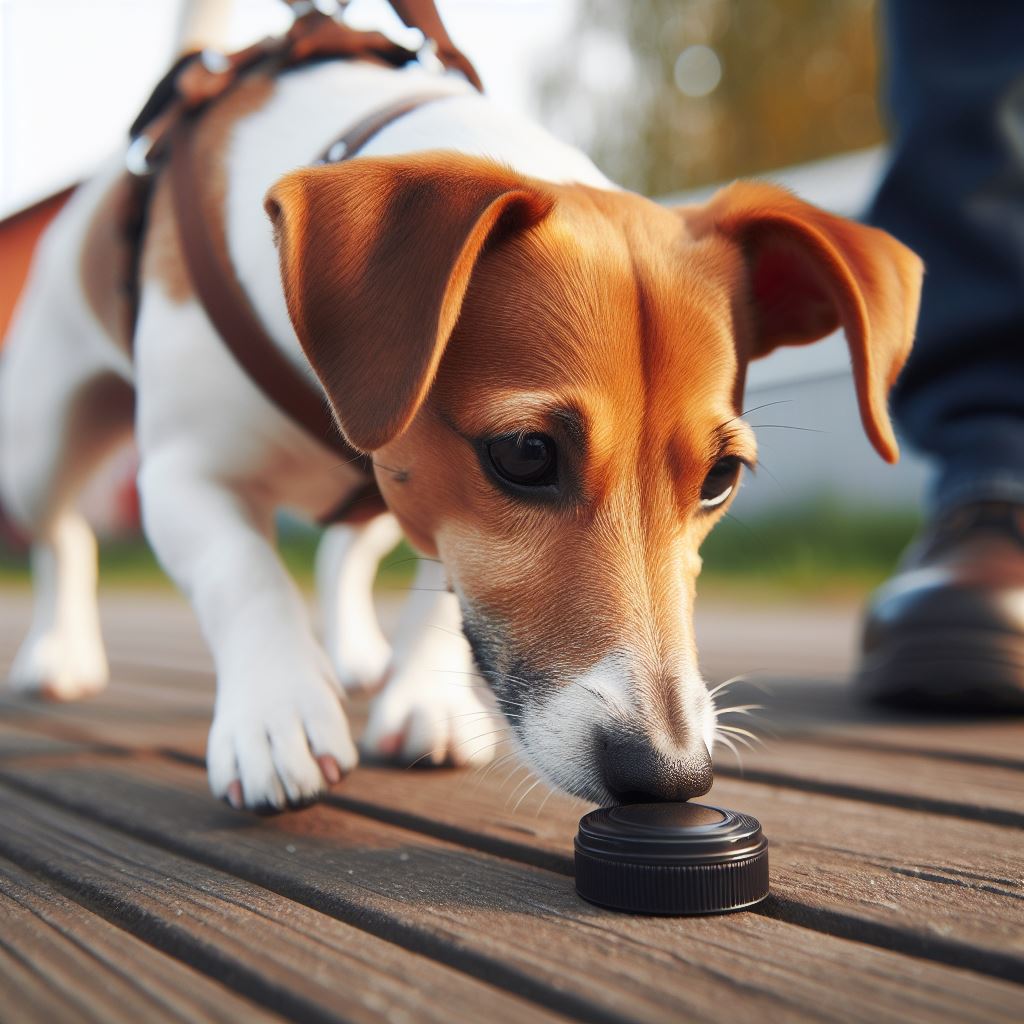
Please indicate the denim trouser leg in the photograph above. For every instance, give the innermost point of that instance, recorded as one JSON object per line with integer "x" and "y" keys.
{"x": 955, "y": 194}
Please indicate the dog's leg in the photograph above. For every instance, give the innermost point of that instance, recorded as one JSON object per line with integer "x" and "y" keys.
{"x": 279, "y": 732}
{"x": 62, "y": 410}
{"x": 434, "y": 708}
{"x": 346, "y": 565}
{"x": 62, "y": 658}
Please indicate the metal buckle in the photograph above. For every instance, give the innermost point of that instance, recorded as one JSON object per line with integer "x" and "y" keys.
{"x": 332, "y": 8}
{"x": 136, "y": 159}
{"x": 214, "y": 61}
{"x": 428, "y": 58}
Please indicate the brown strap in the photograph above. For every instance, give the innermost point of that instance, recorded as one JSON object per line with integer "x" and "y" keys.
{"x": 205, "y": 252}
{"x": 229, "y": 310}
{"x": 348, "y": 145}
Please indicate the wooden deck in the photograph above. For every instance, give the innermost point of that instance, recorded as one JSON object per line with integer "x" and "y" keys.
{"x": 128, "y": 894}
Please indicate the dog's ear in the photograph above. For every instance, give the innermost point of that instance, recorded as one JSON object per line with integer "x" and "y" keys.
{"x": 376, "y": 256}
{"x": 810, "y": 272}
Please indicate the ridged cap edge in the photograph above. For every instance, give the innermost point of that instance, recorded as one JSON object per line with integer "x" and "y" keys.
{"x": 672, "y": 889}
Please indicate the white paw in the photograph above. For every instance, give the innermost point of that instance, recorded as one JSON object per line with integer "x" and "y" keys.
{"x": 280, "y": 749}
{"x": 434, "y": 718}
{"x": 56, "y": 667}
{"x": 346, "y": 566}
{"x": 361, "y": 662}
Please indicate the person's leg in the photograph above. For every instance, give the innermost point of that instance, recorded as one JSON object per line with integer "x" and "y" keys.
{"x": 955, "y": 194}
{"x": 948, "y": 629}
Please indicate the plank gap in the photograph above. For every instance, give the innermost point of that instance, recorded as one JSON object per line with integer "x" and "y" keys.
{"x": 250, "y": 985}
{"x": 835, "y": 923}
{"x": 829, "y": 739}
{"x": 1006, "y": 967}
{"x": 382, "y": 925}
{"x": 946, "y": 808}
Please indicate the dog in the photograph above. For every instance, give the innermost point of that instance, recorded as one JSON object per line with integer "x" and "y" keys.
{"x": 548, "y": 372}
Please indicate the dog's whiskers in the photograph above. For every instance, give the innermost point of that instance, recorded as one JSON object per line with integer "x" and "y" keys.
{"x": 735, "y": 730}
{"x": 487, "y": 769}
{"x": 787, "y": 426}
{"x": 526, "y": 794}
{"x": 503, "y": 731}
{"x": 547, "y": 797}
{"x": 726, "y": 684}
{"x": 725, "y": 741}
{"x": 511, "y": 772}
{"x": 484, "y": 714}
{"x": 756, "y": 408}
{"x": 443, "y": 629}
{"x": 739, "y": 709}
{"x": 530, "y": 780}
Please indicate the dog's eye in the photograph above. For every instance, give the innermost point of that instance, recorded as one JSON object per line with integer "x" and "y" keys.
{"x": 720, "y": 482}
{"x": 528, "y": 460}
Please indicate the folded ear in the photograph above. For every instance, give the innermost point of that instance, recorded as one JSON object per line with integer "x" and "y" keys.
{"x": 376, "y": 256}
{"x": 810, "y": 272}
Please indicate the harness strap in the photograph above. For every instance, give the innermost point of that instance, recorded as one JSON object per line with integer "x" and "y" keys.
{"x": 229, "y": 310}
{"x": 348, "y": 145}
{"x": 204, "y": 248}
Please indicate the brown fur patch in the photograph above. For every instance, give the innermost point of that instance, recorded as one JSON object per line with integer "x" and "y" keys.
{"x": 104, "y": 261}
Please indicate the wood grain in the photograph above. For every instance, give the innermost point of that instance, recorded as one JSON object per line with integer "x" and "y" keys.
{"x": 520, "y": 927}
{"x": 280, "y": 953}
{"x": 59, "y": 962}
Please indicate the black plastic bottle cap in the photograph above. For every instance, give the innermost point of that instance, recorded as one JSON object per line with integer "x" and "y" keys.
{"x": 672, "y": 858}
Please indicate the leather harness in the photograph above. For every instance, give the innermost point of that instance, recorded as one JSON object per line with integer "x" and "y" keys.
{"x": 203, "y": 246}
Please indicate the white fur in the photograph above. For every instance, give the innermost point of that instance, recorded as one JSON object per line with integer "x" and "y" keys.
{"x": 54, "y": 356}
{"x": 217, "y": 458}
{"x": 346, "y": 565}
{"x": 556, "y": 734}
{"x": 434, "y": 707}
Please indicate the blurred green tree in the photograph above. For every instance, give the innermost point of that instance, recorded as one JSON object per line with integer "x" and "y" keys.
{"x": 673, "y": 94}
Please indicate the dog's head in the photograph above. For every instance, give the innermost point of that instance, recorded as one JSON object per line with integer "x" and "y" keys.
{"x": 550, "y": 378}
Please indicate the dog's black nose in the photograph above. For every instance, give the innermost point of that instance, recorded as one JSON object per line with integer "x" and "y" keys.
{"x": 635, "y": 771}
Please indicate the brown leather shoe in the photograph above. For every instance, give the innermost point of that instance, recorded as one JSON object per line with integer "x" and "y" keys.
{"x": 947, "y": 631}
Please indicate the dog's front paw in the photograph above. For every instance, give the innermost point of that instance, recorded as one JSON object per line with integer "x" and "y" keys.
{"x": 434, "y": 718}
{"x": 269, "y": 754}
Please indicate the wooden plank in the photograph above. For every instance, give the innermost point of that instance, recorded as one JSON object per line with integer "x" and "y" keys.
{"x": 815, "y": 706}
{"x": 283, "y": 955}
{"x": 521, "y": 927}
{"x": 111, "y": 718}
{"x": 59, "y": 962}
{"x": 977, "y": 792}
{"x": 891, "y": 759}
{"x": 20, "y": 743}
{"x": 952, "y": 890}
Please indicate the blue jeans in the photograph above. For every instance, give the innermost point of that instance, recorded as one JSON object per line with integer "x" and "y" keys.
{"x": 955, "y": 194}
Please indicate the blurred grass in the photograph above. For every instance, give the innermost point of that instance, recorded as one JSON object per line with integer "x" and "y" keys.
{"x": 822, "y": 550}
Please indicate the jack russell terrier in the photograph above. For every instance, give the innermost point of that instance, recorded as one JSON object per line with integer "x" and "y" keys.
{"x": 547, "y": 371}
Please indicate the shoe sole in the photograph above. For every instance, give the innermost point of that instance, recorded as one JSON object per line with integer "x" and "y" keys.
{"x": 952, "y": 670}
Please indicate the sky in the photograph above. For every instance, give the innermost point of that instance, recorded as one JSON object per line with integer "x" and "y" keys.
{"x": 74, "y": 73}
